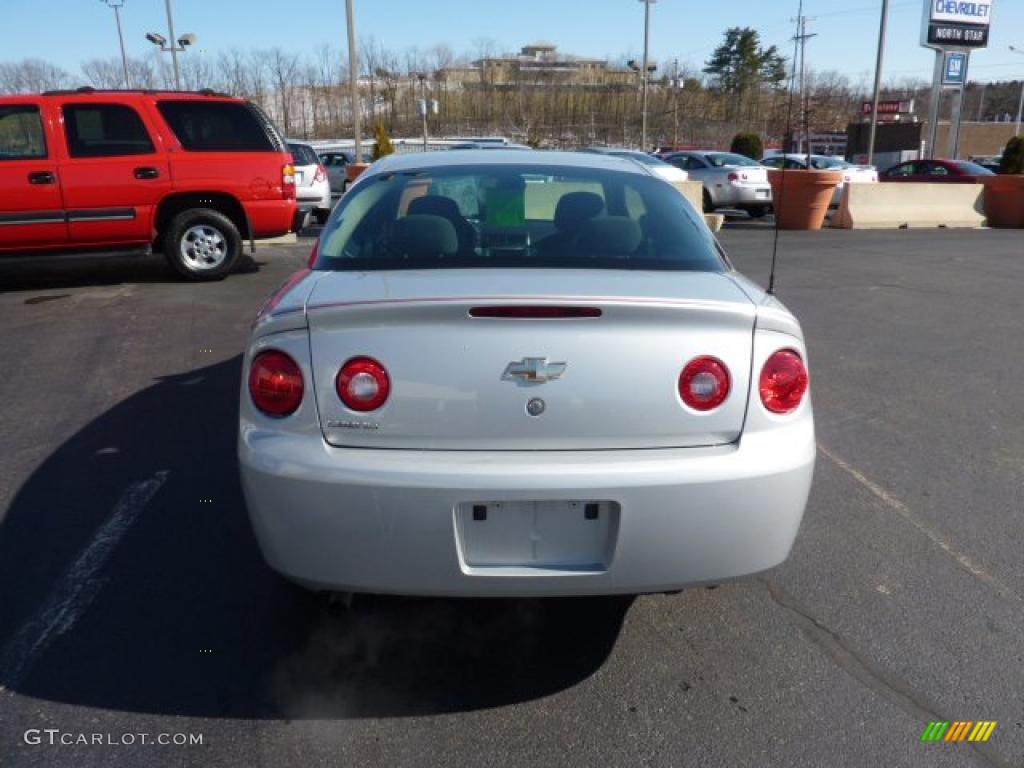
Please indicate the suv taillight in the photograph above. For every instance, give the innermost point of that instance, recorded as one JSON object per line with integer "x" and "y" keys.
{"x": 275, "y": 383}
{"x": 320, "y": 175}
{"x": 363, "y": 384}
{"x": 784, "y": 381}
{"x": 288, "y": 181}
{"x": 704, "y": 383}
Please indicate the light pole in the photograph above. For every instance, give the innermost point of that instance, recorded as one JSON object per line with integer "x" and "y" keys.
{"x": 878, "y": 81}
{"x": 644, "y": 73}
{"x": 353, "y": 79}
{"x": 117, "y": 5}
{"x": 1020, "y": 106}
{"x": 178, "y": 44}
{"x": 423, "y": 105}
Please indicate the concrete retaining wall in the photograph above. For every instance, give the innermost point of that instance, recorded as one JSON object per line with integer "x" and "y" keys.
{"x": 909, "y": 205}
{"x": 692, "y": 191}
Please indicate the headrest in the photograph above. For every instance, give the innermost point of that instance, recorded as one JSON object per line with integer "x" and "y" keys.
{"x": 574, "y": 208}
{"x": 422, "y": 235}
{"x": 616, "y": 235}
{"x": 434, "y": 205}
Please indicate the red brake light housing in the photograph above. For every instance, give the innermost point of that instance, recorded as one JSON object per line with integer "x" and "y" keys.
{"x": 288, "y": 181}
{"x": 321, "y": 174}
{"x": 363, "y": 384}
{"x": 275, "y": 383}
{"x": 704, "y": 383}
{"x": 733, "y": 176}
{"x": 784, "y": 381}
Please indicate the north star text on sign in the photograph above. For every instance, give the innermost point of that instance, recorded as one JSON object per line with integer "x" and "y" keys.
{"x": 960, "y": 8}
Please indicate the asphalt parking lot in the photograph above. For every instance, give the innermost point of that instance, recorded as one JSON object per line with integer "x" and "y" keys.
{"x": 133, "y": 599}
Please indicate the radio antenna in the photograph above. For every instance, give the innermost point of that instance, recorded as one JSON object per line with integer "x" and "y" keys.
{"x": 799, "y": 40}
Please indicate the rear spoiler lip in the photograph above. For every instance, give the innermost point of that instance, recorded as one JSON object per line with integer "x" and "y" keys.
{"x": 541, "y": 300}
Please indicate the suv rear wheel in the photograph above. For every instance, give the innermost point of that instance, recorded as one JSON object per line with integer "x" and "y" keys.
{"x": 202, "y": 244}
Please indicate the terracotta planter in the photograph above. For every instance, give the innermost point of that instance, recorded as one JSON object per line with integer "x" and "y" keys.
{"x": 801, "y": 198}
{"x": 1004, "y": 201}
{"x": 352, "y": 170}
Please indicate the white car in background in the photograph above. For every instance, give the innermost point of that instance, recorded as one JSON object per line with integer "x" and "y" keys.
{"x": 852, "y": 174}
{"x": 655, "y": 165}
{"x": 312, "y": 187}
{"x": 730, "y": 180}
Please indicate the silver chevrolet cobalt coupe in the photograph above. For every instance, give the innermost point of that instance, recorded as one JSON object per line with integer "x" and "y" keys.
{"x": 522, "y": 374}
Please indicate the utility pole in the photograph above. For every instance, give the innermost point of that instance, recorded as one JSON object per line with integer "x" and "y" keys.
{"x": 803, "y": 37}
{"x": 644, "y": 74}
{"x": 353, "y": 80}
{"x": 878, "y": 81}
{"x": 117, "y": 5}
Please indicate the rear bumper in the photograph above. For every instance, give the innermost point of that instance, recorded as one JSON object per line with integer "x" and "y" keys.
{"x": 745, "y": 196}
{"x": 386, "y": 520}
{"x": 271, "y": 218}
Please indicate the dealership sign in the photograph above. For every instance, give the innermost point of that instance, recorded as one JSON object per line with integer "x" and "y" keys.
{"x": 956, "y": 24}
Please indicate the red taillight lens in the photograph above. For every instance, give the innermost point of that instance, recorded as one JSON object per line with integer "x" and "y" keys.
{"x": 535, "y": 312}
{"x": 784, "y": 381}
{"x": 734, "y": 177}
{"x": 288, "y": 181}
{"x": 704, "y": 383}
{"x": 313, "y": 254}
{"x": 321, "y": 174}
{"x": 363, "y": 384}
{"x": 275, "y": 383}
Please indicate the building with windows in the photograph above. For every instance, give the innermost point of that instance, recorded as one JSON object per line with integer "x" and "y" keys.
{"x": 541, "y": 64}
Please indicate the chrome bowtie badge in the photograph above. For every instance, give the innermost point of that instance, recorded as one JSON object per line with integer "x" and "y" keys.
{"x": 533, "y": 370}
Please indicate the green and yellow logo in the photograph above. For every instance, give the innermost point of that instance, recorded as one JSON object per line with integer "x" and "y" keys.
{"x": 958, "y": 730}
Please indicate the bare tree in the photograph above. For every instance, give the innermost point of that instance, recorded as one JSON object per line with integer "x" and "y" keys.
{"x": 32, "y": 76}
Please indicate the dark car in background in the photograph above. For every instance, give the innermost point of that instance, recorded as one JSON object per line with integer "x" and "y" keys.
{"x": 938, "y": 171}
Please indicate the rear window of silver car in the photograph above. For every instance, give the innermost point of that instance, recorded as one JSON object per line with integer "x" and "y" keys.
{"x": 516, "y": 216}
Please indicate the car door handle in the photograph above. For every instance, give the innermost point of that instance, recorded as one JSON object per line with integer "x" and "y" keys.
{"x": 147, "y": 173}
{"x": 42, "y": 177}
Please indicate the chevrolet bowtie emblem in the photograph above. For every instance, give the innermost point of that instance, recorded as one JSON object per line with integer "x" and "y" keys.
{"x": 533, "y": 370}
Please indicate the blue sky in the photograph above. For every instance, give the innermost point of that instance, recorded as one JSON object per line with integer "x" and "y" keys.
{"x": 68, "y": 32}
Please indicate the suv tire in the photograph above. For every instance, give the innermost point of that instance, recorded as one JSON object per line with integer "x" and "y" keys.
{"x": 202, "y": 244}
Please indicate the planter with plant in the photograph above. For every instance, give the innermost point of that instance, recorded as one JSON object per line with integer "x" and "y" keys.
{"x": 1004, "y": 194}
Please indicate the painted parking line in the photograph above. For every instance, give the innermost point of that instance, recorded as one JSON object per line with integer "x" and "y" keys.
{"x": 76, "y": 589}
{"x": 937, "y": 538}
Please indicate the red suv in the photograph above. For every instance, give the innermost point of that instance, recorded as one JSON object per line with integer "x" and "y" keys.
{"x": 189, "y": 174}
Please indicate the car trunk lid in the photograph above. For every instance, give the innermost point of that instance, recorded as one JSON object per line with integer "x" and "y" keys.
{"x": 604, "y": 357}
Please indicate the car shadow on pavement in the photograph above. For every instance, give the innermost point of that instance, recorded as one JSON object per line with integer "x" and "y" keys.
{"x": 170, "y": 609}
{"x": 34, "y": 273}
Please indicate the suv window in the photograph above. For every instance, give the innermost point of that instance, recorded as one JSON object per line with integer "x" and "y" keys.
{"x": 21, "y": 133}
{"x": 303, "y": 154}
{"x": 105, "y": 130}
{"x": 219, "y": 126}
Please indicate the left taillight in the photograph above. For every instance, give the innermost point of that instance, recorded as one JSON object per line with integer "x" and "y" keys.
{"x": 320, "y": 175}
{"x": 275, "y": 383}
{"x": 733, "y": 176}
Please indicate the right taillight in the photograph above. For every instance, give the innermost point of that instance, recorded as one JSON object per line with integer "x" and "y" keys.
{"x": 288, "y": 181}
{"x": 363, "y": 384}
{"x": 783, "y": 381}
{"x": 275, "y": 383}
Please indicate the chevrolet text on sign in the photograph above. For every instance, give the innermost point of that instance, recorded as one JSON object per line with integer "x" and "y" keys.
{"x": 962, "y": 11}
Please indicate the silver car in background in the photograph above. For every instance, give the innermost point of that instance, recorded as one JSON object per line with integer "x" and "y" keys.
{"x": 337, "y": 161}
{"x": 522, "y": 374}
{"x": 657, "y": 166}
{"x": 312, "y": 188}
{"x": 852, "y": 174}
{"x": 730, "y": 180}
